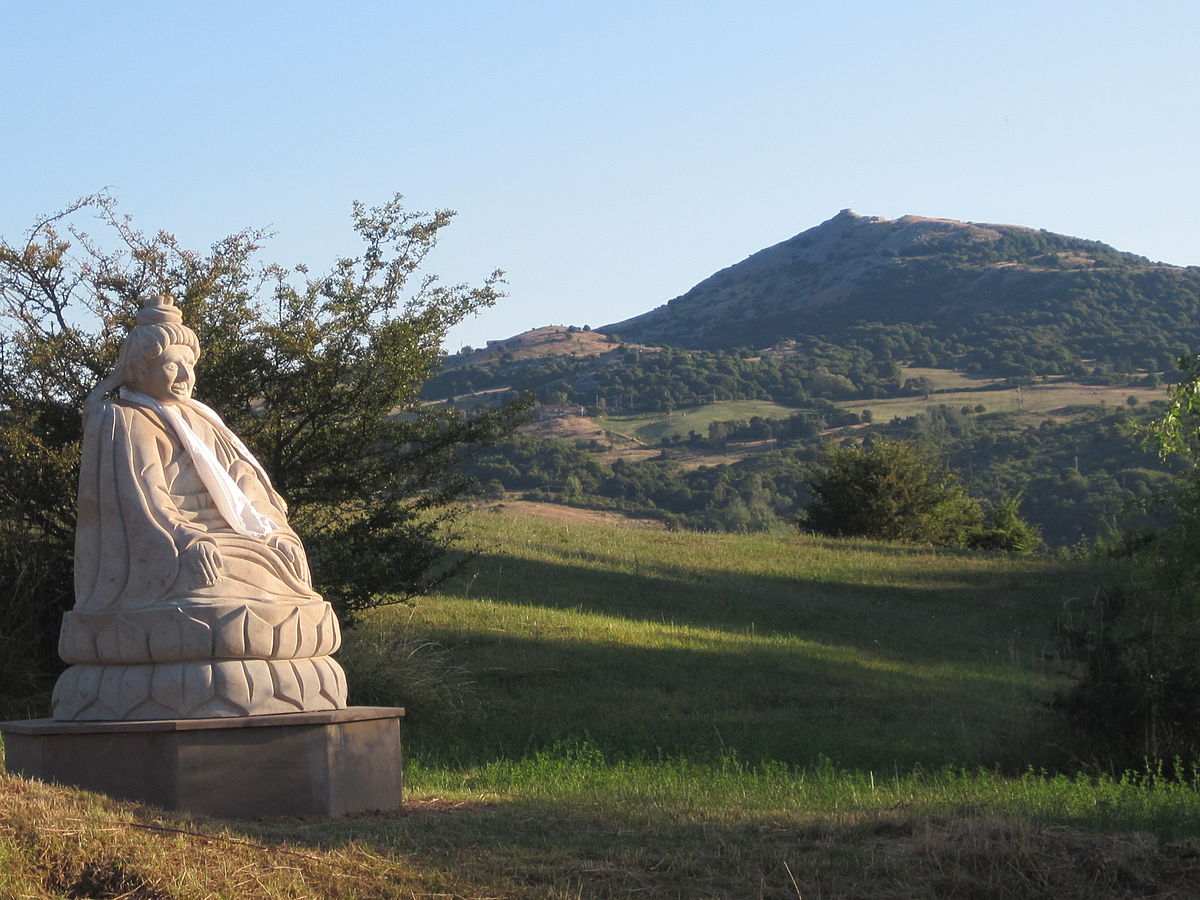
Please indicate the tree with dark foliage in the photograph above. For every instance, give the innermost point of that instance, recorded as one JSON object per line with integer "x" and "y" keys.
{"x": 1136, "y": 700}
{"x": 891, "y": 490}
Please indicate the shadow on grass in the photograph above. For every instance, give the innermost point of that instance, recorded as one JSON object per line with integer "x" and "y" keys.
{"x": 955, "y": 615}
{"x": 548, "y": 849}
{"x": 952, "y": 664}
{"x": 759, "y": 701}
{"x": 590, "y": 848}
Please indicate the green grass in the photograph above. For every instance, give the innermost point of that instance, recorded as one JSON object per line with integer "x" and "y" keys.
{"x": 651, "y": 792}
{"x": 652, "y": 427}
{"x": 640, "y": 713}
{"x": 947, "y": 379}
{"x": 778, "y": 648}
{"x": 570, "y": 824}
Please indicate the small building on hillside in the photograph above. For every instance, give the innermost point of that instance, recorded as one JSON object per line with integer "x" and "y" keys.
{"x": 558, "y": 412}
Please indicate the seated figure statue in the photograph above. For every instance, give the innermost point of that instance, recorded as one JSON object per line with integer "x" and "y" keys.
{"x": 193, "y": 597}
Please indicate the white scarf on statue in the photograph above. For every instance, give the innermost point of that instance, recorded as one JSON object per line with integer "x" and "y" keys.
{"x": 230, "y": 500}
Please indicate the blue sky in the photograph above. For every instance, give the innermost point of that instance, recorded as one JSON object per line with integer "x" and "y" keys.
{"x": 610, "y": 155}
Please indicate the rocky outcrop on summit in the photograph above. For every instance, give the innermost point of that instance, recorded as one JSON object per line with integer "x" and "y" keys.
{"x": 865, "y": 268}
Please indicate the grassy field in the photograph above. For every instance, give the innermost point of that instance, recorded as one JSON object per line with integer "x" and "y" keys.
{"x": 651, "y": 427}
{"x": 784, "y": 648}
{"x": 1054, "y": 399}
{"x": 1042, "y": 401}
{"x": 617, "y": 712}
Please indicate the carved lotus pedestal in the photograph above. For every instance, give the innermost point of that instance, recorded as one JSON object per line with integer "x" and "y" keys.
{"x": 202, "y": 660}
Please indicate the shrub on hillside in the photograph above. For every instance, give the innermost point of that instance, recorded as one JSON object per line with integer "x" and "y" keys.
{"x": 891, "y": 490}
{"x": 1004, "y": 529}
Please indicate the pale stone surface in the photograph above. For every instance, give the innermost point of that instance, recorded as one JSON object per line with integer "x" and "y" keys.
{"x": 332, "y": 763}
{"x": 193, "y": 597}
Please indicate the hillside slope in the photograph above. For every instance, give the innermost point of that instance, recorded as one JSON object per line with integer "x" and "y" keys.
{"x": 968, "y": 294}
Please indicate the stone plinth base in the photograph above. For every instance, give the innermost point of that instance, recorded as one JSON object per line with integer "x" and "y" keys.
{"x": 327, "y": 763}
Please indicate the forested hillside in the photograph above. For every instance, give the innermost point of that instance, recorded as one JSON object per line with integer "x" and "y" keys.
{"x": 920, "y": 329}
{"x": 1077, "y": 478}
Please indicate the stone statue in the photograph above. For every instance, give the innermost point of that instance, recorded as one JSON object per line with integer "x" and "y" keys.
{"x": 192, "y": 594}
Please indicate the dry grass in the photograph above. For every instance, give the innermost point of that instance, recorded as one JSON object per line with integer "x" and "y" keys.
{"x": 58, "y": 843}
{"x": 571, "y": 515}
{"x": 960, "y": 389}
{"x": 1041, "y": 400}
{"x": 64, "y": 843}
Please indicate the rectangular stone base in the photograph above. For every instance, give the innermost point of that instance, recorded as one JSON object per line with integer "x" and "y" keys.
{"x": 328, "y": 763}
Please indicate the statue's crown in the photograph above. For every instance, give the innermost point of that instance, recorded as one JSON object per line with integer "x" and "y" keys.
{"x": 159, "y": 309}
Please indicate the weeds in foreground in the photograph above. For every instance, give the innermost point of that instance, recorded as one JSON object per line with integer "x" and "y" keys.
{"x": 388, "y": 665}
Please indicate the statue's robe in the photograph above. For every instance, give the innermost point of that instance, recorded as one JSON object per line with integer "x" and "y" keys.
{"x": 143, "y": 506}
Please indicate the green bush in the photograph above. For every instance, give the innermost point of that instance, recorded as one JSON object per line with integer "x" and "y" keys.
{"x": 1004, "y": 529}
{"x": 1137, "y": 693}
{"x": 891, "y": 490}
{"x": 36, "y": 589}
{"x": 1136, "y": 698}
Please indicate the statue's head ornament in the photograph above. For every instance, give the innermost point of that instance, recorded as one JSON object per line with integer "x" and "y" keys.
{"x": 159, "y": 326}
{"x": 159, "y": 309}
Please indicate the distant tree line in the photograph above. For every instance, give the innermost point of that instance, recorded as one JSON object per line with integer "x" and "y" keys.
{"x": 755, "y": 495}
{"x": 866, "y": 366}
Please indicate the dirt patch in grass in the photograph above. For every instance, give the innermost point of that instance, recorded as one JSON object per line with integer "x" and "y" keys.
{"x": 567, "y": 428}
{"x": 574, "y": 429}
{"x": 571, "y": 515}
{"x": 106, "y": 880}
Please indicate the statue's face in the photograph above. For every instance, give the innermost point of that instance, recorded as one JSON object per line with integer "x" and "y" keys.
{"x": 169, "y": 377}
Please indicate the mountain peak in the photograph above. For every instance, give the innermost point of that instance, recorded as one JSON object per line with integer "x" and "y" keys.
{"x": 852, "y": 266}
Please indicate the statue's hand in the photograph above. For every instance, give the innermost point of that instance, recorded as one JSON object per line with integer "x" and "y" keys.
{"x": 289, "y": 548}
{"x": 282, "y": 544}
{"x": 205, "y": 560}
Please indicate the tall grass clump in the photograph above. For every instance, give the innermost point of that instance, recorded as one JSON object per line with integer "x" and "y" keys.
{"x": 387, "y": 664}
